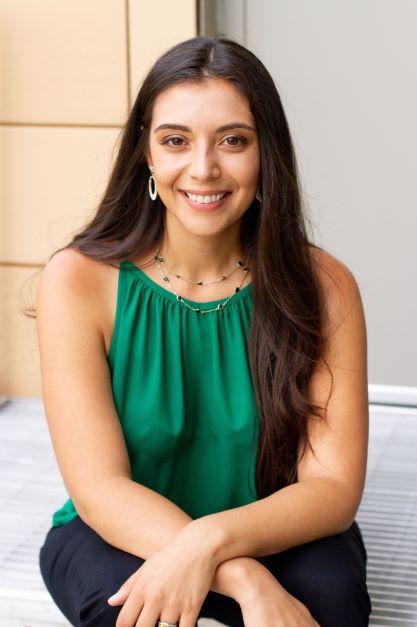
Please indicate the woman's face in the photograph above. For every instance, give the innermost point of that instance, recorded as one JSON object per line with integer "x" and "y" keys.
{"x": 204, "y": 158}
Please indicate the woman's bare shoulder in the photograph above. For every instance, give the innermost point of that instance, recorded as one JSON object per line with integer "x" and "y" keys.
{"x": 339, "y": 286}
{"x": 78, "y": 271}
{"x": 331, "y": 271}
{"x": 69, "y": 261}
{"x": 79, "y": 281}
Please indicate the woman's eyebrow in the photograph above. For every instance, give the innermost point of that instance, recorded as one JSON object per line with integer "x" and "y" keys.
{"x": 220, "y": 129}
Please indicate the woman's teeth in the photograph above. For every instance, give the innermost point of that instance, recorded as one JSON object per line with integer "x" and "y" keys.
{"x": 206, "y": 199}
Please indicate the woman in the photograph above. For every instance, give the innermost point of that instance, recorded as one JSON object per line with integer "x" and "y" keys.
{"x": 189, "y": 337}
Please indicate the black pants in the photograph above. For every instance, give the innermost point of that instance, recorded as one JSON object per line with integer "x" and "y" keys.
{"x": 81, "y": 570}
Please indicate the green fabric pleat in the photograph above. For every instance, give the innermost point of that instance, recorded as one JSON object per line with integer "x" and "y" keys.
{"x": 184, "y": 396}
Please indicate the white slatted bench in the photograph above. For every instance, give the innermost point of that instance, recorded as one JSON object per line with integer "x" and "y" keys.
{"x": 31, "y": 488}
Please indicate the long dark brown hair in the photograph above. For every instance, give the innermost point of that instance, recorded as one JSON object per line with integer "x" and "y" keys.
{"x": 286, "y": 338}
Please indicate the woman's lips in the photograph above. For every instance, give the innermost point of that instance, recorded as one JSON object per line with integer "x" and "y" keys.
{"x": 205, "y": 206}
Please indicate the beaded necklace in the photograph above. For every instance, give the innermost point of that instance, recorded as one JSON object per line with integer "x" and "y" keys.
{"x": 240, "y": 263}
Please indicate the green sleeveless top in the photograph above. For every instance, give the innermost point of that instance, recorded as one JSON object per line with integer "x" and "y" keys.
{"x": 183, "y": 392}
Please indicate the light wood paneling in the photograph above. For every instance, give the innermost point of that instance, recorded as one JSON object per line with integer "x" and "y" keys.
{"x": 63, "y": 62}
{"x": 19, "y": 354}
{"x": 53, "y": 180}
{"x": 66, "y": 71}
{"x": 153, "y": 28}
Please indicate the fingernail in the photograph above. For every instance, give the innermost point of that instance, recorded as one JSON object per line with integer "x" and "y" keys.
{"x": 113, "y": 596}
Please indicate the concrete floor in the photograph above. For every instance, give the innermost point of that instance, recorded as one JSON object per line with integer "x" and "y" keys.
{"x": 31, "y": 489}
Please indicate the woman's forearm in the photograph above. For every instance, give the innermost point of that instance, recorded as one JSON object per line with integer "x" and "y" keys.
{"x": 140, "y": 521}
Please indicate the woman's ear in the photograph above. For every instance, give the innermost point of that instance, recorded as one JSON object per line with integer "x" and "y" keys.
{"x": 148, "y": 159}
{"x": 147, "y": 155}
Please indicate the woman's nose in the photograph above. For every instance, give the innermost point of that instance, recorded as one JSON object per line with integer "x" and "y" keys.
{"x": 204, "y": 163}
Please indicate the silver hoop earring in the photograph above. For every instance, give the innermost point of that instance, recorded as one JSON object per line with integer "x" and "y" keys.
{"x": 258, "y": 195}
{"x": 153, "y": 194}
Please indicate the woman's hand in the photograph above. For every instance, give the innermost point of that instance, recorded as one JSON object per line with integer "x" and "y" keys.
{"x": 264, "y": 601}
{"x": 172, "y": 584}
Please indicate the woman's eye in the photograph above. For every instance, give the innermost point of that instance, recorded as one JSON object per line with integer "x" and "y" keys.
{"x": 170, "y": 139}
{"x": 238, "y": 137}
{"x": 177, "y": 141}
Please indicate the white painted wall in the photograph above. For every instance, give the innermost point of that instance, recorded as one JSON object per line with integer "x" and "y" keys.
{"x": 347, "y": 76}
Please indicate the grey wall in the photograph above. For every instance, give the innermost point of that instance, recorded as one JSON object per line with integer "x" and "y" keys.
{"x": 347, "y": 76}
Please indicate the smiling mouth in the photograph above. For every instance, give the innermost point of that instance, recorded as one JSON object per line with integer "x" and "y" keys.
{"x": 205, "y": 204}
{"x": 205, "y": 199}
